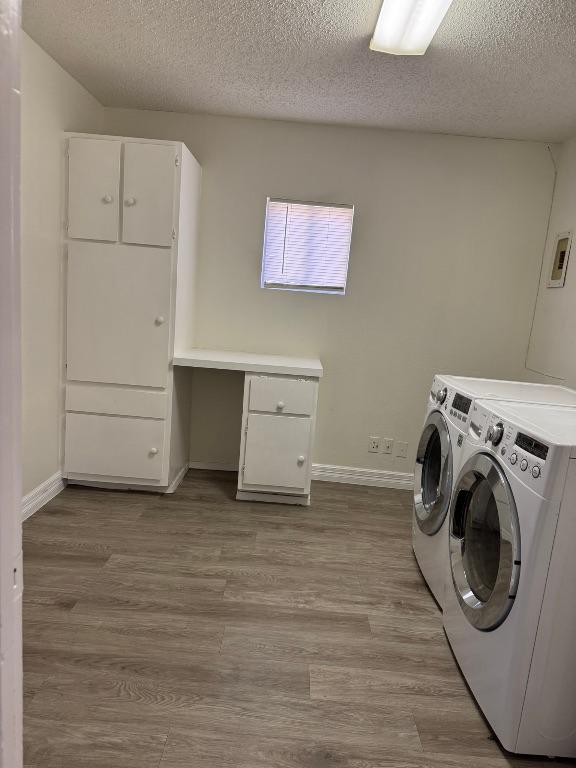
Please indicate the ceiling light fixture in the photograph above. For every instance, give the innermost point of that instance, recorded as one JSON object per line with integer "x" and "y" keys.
{"x": 406, "y": 27}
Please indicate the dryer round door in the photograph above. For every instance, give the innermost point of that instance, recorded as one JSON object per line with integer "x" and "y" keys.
{"x": 433, "y": 475}
{"x": 484, "y": 542}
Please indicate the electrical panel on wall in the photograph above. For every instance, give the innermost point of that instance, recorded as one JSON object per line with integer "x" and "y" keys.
{"x": 561, "y": 255}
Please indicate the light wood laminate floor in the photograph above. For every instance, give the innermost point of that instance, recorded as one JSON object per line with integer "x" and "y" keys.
{"x": 194, "y": 631}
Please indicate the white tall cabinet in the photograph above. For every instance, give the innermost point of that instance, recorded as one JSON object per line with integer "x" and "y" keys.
{"x": 131, "y": 209}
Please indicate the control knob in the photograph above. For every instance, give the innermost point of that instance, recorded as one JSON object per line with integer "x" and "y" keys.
{"x": 495, "y": 433}
{"x": 440, "y": 395}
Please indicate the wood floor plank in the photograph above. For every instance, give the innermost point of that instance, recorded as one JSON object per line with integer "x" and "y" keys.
{"x": 132, "y": 702}
{"x": 55, "y": 744}
{"x": 132, "y": 641}
{"x": 177, "y": 586}
{"x": 339, "y": 648}
{"x": 212, "y": 748}
{"x": 301, "y": 587}
{"x": 233, "y": 569}
{"x": 402, "y": 689}
{"x": 304, "y": 720}
{"x": 444, "y": 733}
{"x": 396, "y": 625}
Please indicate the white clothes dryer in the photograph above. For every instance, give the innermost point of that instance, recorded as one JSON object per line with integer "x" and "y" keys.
{"x": 438, "y": 459}
{"x": 510, "y": 609}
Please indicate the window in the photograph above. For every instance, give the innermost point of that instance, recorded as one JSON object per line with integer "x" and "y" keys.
{"x": 306, "y": 246}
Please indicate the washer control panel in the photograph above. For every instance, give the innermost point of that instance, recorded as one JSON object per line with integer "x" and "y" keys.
{"x": 525, "y": 455}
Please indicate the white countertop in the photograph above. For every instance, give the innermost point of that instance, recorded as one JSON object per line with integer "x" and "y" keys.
{"x": 249, "y": 362}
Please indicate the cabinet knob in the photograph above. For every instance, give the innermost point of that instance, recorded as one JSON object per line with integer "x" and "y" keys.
{"x": 301, "y": 460}
{"x": 107, "y": 199}
{"x": 160, "y": 320}
{"x": 130, "y": 201}
{"x": 153, "y": 451}
{"x": 281, "y": 405}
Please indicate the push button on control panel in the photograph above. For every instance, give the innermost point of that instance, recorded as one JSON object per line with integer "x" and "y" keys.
{"x": 523, "y": 465}
{"x": 536, "y": 471}
{"x": 513, "y": 458}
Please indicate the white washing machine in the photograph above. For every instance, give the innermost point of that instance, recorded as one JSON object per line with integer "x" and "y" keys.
{"x": 510, "y": 611}
{"x": 438, "y": 459}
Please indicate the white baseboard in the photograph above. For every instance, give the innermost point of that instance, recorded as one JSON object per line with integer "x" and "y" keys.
{"x": 356, "y": 476}
{"x": 215, "y": 465}
{"x": 177, "y": 480}
{"x": 42, "y": 494}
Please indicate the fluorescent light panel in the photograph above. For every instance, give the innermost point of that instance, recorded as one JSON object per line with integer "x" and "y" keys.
{"x": 406, "y": 27}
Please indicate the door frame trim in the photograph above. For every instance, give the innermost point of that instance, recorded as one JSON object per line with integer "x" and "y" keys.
{"x": 10, "y": 394}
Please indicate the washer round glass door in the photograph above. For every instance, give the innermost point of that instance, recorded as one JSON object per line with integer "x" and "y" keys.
{"x": 433, "y": 475}
{"x": 484, "y": 542}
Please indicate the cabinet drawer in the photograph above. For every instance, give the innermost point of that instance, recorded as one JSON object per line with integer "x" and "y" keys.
{"x": 276, "y": 454}
{"x": 282, "y": 395}
{"x": 119, "y": 401}
{"x": 114, "y": 446}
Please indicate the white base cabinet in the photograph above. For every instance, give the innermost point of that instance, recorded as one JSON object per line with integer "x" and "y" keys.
{"x": 130, "y": 235}
{"x": 277, "y": 432}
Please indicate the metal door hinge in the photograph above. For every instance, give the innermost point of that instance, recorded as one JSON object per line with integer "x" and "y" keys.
{"x": 176, "y": 160}
{"x": 173, "y": 234}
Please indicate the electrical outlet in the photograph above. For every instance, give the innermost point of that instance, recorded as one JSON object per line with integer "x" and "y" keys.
{"x": 402, "y": 450}
{"x": 373, "y": 444}
{"x": 387, "y": 445}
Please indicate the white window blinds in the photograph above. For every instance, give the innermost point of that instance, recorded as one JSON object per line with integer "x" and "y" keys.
{"x": 306, "y": 246}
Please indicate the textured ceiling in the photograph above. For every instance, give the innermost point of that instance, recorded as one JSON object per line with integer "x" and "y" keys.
{"x": 502, "y": 68}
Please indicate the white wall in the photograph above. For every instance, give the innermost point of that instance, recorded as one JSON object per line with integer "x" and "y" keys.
{"x": 446, "y": 252}
{"x": 553, "y": 342}
{"x": 52, "y": 102}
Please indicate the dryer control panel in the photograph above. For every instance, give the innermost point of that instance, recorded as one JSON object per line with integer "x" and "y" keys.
{"x": 454, "y": 405}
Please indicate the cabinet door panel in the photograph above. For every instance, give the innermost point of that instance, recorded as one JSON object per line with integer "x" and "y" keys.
{"x": 148, "y": 206}
{"x": 114, "y": 446}
{"x": 118, "y": 314}
{"x": 93, "y": 189}
{"x": 276, "y": 452}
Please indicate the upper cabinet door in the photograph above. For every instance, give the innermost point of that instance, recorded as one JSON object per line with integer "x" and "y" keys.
{"x": 149, "y": 182}
{"x": 93, "y": 189}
